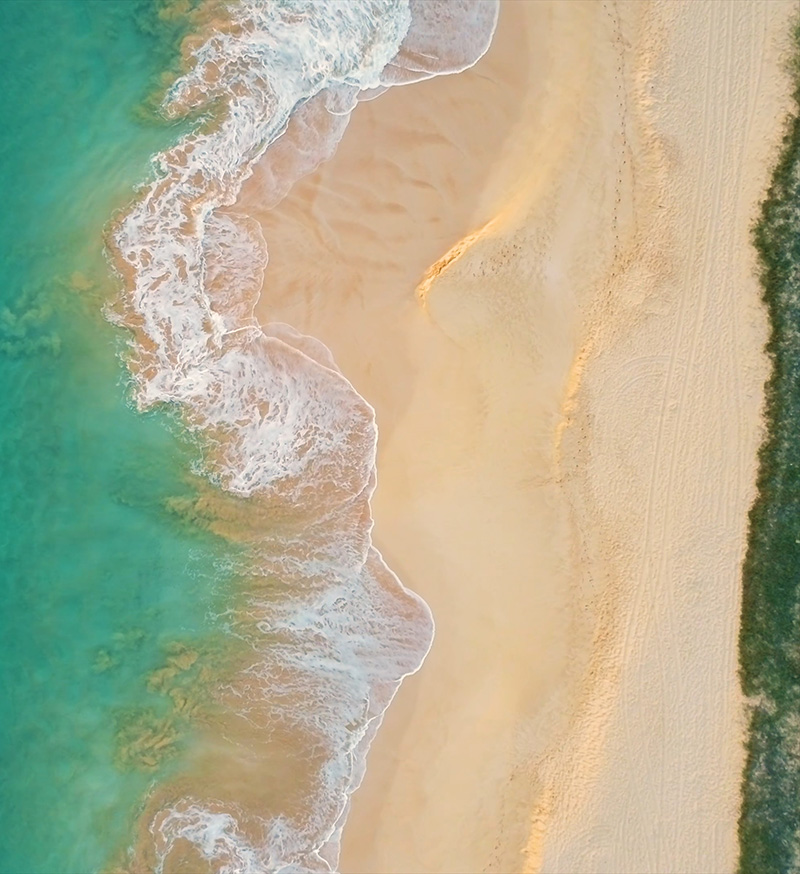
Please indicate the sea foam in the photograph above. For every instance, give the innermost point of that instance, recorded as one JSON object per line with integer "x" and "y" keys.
{"x": 282, "y": 424}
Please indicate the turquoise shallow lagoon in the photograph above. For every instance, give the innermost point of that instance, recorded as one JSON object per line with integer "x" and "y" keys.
{"x": 101, "y": 581}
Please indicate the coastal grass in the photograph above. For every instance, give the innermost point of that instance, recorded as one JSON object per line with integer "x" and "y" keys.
{"x": 769, "y": 639}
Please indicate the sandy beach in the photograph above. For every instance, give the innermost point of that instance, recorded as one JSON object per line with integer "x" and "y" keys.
{"x": 539, "y": 274}
{"x": 671, "y": 394}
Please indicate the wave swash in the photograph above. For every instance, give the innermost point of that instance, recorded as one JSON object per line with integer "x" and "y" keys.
{"x": 332, "y": 630}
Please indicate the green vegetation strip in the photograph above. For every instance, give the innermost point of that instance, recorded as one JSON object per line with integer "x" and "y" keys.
{"x": 769, "y": 642}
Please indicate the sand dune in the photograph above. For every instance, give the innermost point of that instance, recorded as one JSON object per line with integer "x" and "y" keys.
{"x": 569, "y": 416}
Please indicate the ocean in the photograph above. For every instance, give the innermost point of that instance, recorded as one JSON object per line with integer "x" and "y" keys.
{"x": 101, "y": 580}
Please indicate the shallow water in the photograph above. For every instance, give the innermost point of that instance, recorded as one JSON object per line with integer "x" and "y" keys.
{"x": 100, "y": 579}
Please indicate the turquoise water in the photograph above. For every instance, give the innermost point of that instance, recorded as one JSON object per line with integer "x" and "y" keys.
{"x": 99, "y": 577}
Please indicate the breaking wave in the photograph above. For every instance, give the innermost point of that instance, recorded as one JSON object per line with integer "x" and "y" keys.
{"x": 333, "y": 631}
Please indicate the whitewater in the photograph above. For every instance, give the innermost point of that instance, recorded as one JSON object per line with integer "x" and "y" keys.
{"x": 332, "y": 630}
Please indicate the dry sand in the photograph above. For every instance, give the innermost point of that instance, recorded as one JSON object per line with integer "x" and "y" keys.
{"x": 671, "y": 396}
{"x": 569, "y": 418}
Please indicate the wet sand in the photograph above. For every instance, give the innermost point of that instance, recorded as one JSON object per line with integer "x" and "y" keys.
{"x": 569, "y": 411}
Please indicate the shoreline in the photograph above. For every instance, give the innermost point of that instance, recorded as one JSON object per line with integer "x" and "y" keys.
{"x": 329, "y": 631}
